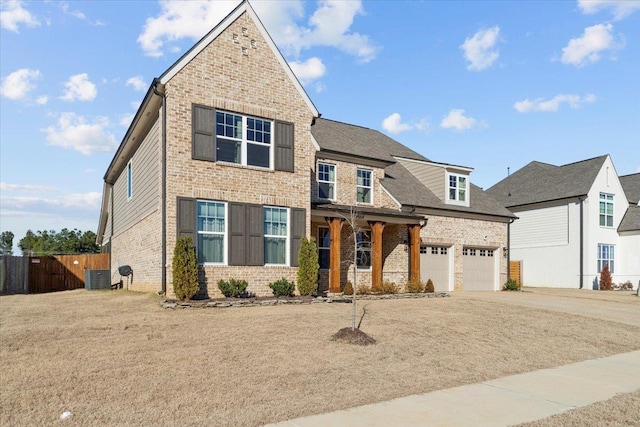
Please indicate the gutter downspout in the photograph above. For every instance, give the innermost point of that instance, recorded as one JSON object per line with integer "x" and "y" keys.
{"x": 509, "y": 249}
{"x": 163, "y": 194}
{"x": 111, "y": 231}
{"x": 581, "y": 241}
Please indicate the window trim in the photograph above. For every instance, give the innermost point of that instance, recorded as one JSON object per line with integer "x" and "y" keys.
{"x": 244, "y": 140}
{"x": 130, "y": 180}
{"x": 323, "y": 248}
{"x": 370, "y": 202}
{"x": 225, "y": 238}
{"x": 606, "y": 199}
{"x": 335, "y": 180}
{"x": 466, "y": 190}
{"x": 287, "y": 248}
{"x": 611, "y": 261}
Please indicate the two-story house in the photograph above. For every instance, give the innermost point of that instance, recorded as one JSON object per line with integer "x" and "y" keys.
{"x": 573, "y": 220}
{"x": 228, "y": 148}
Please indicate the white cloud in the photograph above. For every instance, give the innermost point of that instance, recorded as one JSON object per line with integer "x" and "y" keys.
{"x": 25, "y": 187}
{"x": 588, "y": 48}
{"x": 457, "y": 120}
{"x": 479, "y": 50}
{"x": 330, "y": 25}
{"x": 618, "y": 8}
{"x": 64, "y": 6}
{"x": 17, "y": 84}
{"x": 126, "y": 120}
{"x": 80, "y": 88}
{"x": 307, "y": 71}
{"x": 137, "y": 82}
{"x": 42, "y": 100}
{"x": 82, "y": 201}
{"x": 13, "y": 14}
{"x": 393, "y": 124}
{"x": 77, "y": 133}
{"x": 553, "y": 104}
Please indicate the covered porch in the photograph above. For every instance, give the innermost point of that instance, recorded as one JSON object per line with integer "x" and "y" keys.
{"x": 379, "y": 243}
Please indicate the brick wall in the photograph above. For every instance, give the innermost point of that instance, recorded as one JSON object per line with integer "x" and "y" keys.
{"x": 224, "y": 77}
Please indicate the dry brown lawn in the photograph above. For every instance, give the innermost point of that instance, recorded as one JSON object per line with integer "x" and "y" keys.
{"x": 118, "y": 358}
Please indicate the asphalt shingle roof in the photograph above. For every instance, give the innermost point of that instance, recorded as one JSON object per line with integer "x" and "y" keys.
{"x": 631, "y": 219}
{"x": 358, "y": 141}
{"x": 631, "y": 186}
{"x": 540, "y": 182}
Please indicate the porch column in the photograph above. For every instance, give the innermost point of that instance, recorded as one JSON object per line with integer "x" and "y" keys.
{"x": 376, "y": 254}
{"x": 414, "y": 251}
{"x": 335, "y": 227}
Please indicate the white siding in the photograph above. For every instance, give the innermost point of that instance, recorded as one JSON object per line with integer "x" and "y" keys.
{"x": 541, "y": 227}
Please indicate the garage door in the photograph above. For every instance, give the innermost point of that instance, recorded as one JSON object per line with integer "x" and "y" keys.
{"x": 434, "y": 265}
{"x": 478, "y": 269}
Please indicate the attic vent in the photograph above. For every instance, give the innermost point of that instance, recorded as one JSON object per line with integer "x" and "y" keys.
{"x": 245, "y": 32}
{"x": 236, "y": 38}
{"x": 254, "y": 44}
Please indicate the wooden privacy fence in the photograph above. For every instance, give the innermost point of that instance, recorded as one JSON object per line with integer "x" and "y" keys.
{"x": 515, "y": 271}
{"x": 49, "y": 273}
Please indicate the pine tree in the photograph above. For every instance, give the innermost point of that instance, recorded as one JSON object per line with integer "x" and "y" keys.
{"x": 308, "y": 267}
{"x": 185, "y": 269}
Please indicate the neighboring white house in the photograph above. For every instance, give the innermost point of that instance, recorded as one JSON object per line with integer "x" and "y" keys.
{"x": 573, "y": 220}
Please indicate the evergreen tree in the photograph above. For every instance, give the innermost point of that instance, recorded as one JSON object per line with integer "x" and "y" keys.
{"x": 6, "y": 243}
{"x": 185, "y": 269}
{"x": 308, "y": 267}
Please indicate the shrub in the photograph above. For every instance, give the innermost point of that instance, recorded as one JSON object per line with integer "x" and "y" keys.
{"x": 282, "y": 288}
{"x": 363, "y": 289}
{"x": 233, "y": 288}
{"x": 389, "y": 287}
{"x": 308, "y": 267}
{"x": 348, "y": 288}
{"x": 511, "y": 285}
{"x": 606, "y": 283}
{"x": 429, "y": 287}
{"x": 185, "y": 269}
{"x": 415, "y": 286}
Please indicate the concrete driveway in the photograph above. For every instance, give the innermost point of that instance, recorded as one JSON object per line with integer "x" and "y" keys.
{"x": 614, "y": 306}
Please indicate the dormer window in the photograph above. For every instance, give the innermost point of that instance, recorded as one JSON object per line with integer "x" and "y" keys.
{"x": 458, "y": 189}
{"x": 326, "y": 181}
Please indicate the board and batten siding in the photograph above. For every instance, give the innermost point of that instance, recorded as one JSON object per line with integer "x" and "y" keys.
{"x": 433, "y": 177}
{"x": 541, "y": 227}
{"x": 146, "y": 185}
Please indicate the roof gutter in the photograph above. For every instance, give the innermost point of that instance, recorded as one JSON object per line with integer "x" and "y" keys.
{"x": 581, "y": 241}
{"x": 163, "y": 190}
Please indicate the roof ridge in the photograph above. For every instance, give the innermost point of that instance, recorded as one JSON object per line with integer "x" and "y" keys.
{"x": 351, "y": 124}
{"x": 585, "y": 160}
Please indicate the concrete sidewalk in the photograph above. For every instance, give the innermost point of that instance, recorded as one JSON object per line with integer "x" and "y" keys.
{"x": 501, "y": 402}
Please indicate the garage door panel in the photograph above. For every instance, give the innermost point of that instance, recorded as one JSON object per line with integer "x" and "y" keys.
{"x": 478, "y": 269}
{"x": 434, "y": 265}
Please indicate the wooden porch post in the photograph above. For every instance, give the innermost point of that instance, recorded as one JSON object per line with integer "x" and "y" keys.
{"x": 376, "y": 254}
{"x": 335, "y": 227}
{"x": 414, "y": 251}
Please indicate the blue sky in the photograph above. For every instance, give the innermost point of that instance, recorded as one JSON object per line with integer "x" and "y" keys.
{"x": 489, "y": 85}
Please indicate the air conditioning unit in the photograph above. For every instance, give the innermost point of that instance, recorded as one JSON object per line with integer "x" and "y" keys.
{"x": 97, "y": 279}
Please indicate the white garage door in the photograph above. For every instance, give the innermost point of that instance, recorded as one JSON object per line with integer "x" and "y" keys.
{"x": 478, "y": 269}
{"x": 434, "y": 265}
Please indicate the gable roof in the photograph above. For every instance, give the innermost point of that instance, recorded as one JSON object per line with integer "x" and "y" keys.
{"x": 630, "y": 220}
{"x": 631, "y": 186}
{"x": 402, "y": 185}
{"x": 243, "y": 7}
{"x": 540, "y": 182}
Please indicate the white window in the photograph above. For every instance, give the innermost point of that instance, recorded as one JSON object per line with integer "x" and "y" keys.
{"x": 364, "y": 186}
{"x": 276, "y": 235}
{"x": 605, "y": 257}
{"x": 326, "y": 181}
{"x": 129, "y": 181}
{"x": 324, "y": 245}
{"x": 211, "y": 233}
{"x": 244, "y": 140}
{"x": 606, "y": 210}
{"x": 458, "y": 188}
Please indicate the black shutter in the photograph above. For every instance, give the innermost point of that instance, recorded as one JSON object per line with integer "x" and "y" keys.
{"x": 284, "y": 147}
{"x": 186, "y": 218}
{"x": 237, "y": 234}
{"x": 255, "y": 236}
{"x": 203, "y": 124}
{"x": 298, "y": 231}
